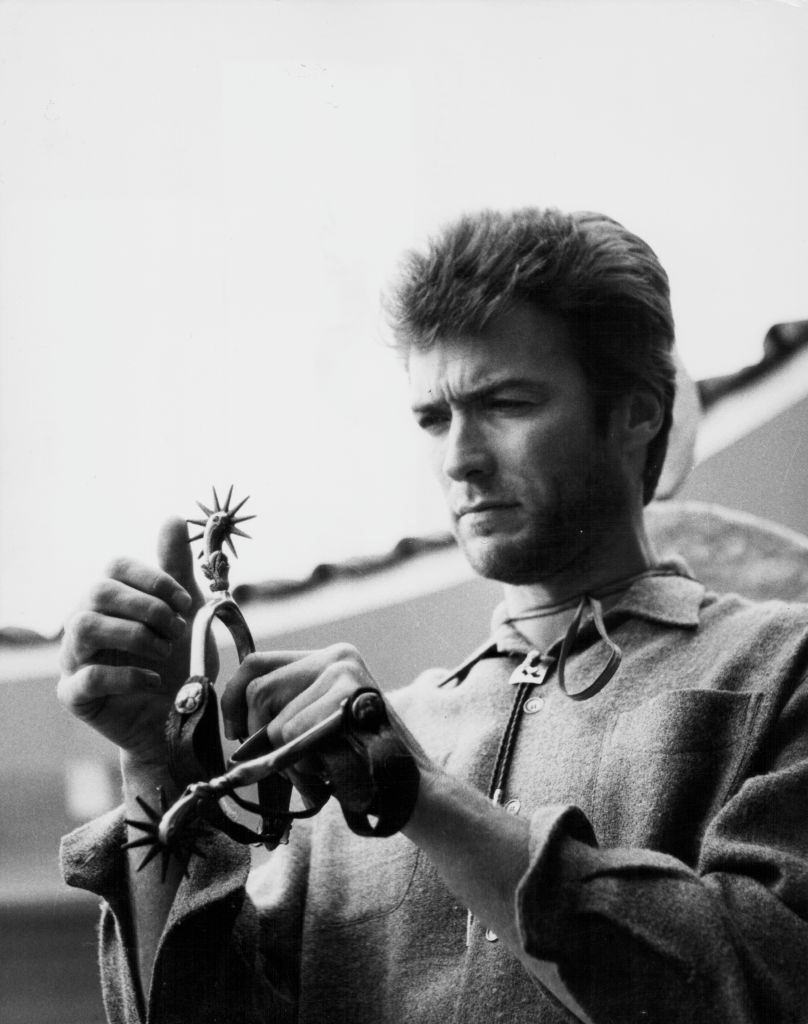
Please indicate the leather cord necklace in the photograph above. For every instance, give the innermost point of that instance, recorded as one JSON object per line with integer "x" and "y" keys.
{"x": 589, "y": 599}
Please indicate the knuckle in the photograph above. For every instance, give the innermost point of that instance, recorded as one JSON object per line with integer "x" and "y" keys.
{"x": 227, "y": 702}
{"x": 265, "y": 703}
{"x": 341, "y": 677}
{"x": 138, "y": 631}
{"x": 336, "y": 670}
{"x": 71, "y": 689}
{"x": 118, "y": 568}
{"x": 251, "y": 664}
{"x": 99, "y": 594}
{"x": 67, "y": 648}
{"x": 63, "y": 690}
{"x": 91, "y": 678}
{"x": 344, "y": 652}
{"x": 142, "y": 636}
{"x": 68, "y": 633}
{"x": 157, "y": 584}
{"x": 257, "y": 695}
{"x": 232, "y": 696}
{"x": 66, "y": 656}
{"x": 130, "y": 676}
{"x": 69, "y": 627}
{"x": 83, "y": 624}
{"x": 155, "y": 616}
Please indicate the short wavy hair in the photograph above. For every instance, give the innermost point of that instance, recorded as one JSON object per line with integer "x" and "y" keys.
{"x": 605, "y": 283}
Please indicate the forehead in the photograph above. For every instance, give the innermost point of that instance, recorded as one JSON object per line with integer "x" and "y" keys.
{"x": 523, "y": 343}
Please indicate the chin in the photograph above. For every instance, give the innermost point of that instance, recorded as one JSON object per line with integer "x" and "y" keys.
{"x": 515, "y": 562}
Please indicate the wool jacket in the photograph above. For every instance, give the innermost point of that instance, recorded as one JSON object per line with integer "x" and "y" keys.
{"x": 668, "y": 874}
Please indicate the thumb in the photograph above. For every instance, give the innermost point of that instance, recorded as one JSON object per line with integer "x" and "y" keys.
{"x": 174, "y": 556}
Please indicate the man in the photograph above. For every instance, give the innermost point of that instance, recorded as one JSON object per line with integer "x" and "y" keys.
{"x": 610, "y": 824}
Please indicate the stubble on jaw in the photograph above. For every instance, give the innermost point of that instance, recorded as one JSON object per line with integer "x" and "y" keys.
{"x": 568, "y": 537}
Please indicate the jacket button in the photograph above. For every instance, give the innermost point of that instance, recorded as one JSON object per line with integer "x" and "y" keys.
{"x": 533, "y": 704}
{"x": 512, "y": 806}
{"x": 491, "y": 936}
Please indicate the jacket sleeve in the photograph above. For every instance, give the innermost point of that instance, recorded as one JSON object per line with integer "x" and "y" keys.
{"x": 220, "y": 957}
{"x": 640, "y": 936}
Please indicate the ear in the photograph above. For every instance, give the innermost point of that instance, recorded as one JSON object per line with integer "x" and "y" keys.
{"x": 636, "y": 420}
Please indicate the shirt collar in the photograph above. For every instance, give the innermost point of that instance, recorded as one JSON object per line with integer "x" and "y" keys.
{"x": 672, "y": 598}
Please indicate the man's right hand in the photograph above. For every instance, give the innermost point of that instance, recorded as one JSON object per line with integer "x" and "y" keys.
{"x": 126, "y": 649}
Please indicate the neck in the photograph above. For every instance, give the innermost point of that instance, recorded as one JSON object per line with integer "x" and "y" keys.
{"x": 623, "y": 554}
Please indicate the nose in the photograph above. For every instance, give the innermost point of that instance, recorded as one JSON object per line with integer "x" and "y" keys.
{"x": 467, "y": 453}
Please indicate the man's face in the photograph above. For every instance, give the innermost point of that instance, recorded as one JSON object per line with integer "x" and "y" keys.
{"x": 532, "y": 487}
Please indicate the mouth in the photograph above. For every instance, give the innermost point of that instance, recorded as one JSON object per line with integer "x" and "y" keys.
{"x": 484, "y": 506}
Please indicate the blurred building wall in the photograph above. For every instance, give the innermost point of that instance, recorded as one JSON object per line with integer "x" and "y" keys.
{"x": 765, "y": 472}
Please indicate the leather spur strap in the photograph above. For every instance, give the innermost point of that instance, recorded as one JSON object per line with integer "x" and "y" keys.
{"x": 373, "y": 773}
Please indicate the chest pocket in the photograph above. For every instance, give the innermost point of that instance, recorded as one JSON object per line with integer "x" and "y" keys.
{"x": 354, "y": 879}
{"x": 668, "y": 765}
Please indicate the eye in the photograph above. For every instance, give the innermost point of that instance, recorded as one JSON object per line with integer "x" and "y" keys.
{"x": 433, "y": 422}
{"x": 509, "y": 404}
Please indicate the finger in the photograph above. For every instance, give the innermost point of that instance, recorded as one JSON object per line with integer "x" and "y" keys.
{"x": 336, "y": 683}
{"x": 80, "y": 692}
{"x": 258, "y": 666}
{"x": 176, "y": 558}
{"x": 149, "y": 580}
{"x": 110, "y": 597}
{"x": 265, "y": 682}
{"x": 90, "y": 632}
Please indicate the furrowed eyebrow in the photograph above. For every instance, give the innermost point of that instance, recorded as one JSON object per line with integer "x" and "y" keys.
{"x": 424, "y": 408}
{"x": 481, "y": 393}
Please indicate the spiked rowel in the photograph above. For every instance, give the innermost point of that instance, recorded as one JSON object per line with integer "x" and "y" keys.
{"x": 220, "y": 524}
{"x": 181, "y": 849}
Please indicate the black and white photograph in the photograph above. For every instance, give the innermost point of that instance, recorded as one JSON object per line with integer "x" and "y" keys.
{"x": 404, "y": 511}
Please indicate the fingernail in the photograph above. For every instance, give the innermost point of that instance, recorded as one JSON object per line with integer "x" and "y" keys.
{"x": 183, "y": 601}
{"x": 162, "y": 647}
{"x": 154, "y": 681}
{"x": 178, "y": 627}
{"x": 229, "y": 731}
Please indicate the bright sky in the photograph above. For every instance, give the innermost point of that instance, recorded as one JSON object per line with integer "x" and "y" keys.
{"x": 200, "y": 203}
